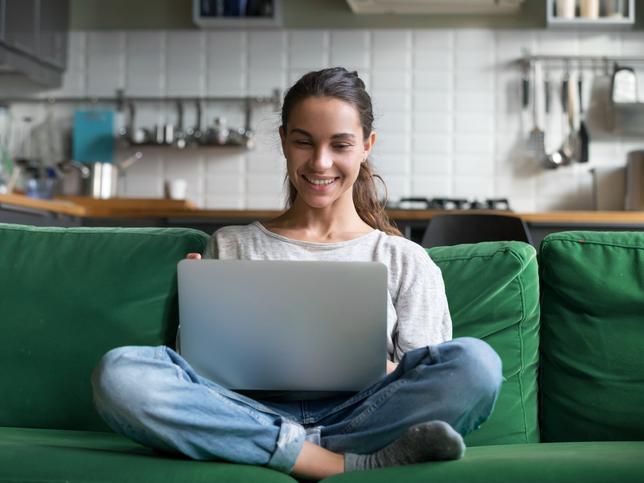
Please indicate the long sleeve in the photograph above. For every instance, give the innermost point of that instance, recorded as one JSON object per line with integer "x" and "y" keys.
{"x": 422, "y": 310}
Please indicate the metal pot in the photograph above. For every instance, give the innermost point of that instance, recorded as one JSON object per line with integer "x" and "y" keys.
{"x": 98, "y": 180}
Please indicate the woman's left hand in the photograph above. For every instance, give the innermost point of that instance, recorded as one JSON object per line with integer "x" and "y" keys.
{"x": 391, "y": 366}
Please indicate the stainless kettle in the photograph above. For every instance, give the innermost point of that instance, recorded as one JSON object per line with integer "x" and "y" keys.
{"x": 97, "y": 180}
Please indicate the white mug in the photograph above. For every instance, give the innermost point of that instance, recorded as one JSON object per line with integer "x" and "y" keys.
{"x": 176, "y": 189}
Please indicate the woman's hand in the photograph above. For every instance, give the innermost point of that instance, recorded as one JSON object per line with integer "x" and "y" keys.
{"x": 193, "y": 256}
{"x": 391, "y": 366}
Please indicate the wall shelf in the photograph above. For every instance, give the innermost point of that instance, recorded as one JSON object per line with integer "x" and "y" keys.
{"x": 624, "y": 21}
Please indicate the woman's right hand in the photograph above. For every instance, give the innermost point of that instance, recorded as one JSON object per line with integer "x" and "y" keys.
{"x": 193, "y": 256}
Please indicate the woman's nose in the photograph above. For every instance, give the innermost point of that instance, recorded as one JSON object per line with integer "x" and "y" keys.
{"x": 322, "y": 159}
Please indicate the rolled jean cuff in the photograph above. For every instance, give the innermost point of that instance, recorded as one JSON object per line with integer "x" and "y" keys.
{"x": 289, "y": 445}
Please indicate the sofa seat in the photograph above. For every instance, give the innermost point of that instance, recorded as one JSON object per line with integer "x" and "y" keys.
{"x": 588, "y": 462}
{"x": 48, "y": 455}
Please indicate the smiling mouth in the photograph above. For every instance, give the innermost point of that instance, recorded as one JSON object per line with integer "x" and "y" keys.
{"x": 319, "y": 181}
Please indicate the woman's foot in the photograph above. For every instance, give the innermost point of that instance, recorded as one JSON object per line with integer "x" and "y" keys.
{"x": 431, "y": 441}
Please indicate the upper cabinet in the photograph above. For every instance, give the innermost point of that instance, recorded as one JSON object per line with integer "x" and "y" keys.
{"x": 420, "y": 7}
{"x": 237, "y": 13}
{"x": 53, "y": 18}
{"x": 21, "y": 25}
{"x": 590, "y": 13}
{"x": 33, "y": 38}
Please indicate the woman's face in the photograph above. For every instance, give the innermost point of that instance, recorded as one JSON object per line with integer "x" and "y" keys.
{"x": 324, "y": 146}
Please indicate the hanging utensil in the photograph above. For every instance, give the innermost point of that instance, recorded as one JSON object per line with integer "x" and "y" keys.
{"x": 525, "y": 89}
{"x": 536, "y": 141}
{"x": 195, "y": 134}
{"x": 552, "y": 160}
{"x": 584, "y": 137}
{"x": 179, "y": 134}
{"x": 573, "y": 120}
{"x": 136, "y": 135}
{"x": 562, "y": 156}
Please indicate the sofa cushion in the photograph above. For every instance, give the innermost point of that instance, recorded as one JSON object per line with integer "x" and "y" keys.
{"x": 493, "y": 294}
{"x": 528, "y": 463}
{"x": 68, "y": 295}
{"x": 592, "y": 333}
{"x": 79, "y": 456}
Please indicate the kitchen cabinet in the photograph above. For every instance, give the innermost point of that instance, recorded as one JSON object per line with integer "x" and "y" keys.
{"x": 590, "y": 14}
{"x": 33, "y": 39}
{"x": 53, "y": 32}
{"x": 21, "y": 26}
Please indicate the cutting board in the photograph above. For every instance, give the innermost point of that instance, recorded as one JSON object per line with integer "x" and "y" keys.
{"x": 93, "y": 136}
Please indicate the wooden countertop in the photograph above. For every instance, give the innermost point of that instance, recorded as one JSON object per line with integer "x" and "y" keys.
{"x": 161, "y": 208}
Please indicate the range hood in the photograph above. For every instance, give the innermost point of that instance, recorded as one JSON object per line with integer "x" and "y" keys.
{"x": 435, "y": 7}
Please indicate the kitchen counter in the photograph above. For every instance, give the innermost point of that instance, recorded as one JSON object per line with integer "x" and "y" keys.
{"x": 83, "y": 211}
{"x": 77, "y": 206}
{"x": 84, "y": 206}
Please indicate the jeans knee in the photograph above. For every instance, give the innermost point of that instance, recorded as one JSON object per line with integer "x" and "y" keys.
{"x": 117, "y": 380}
{"x": 480, "y": 365}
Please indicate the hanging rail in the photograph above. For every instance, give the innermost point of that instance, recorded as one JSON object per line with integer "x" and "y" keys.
{"x": 579, "y": 60}
{"x": 121, "y": 99}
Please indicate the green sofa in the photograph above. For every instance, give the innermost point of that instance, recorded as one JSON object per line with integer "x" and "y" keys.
{"x": 570, "y": 332}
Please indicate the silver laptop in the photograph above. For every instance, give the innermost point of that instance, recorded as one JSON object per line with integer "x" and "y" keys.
{"x": 284, "y": 325}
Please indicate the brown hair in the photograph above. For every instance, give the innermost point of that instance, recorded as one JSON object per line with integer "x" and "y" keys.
{"x": 339, "y": 83}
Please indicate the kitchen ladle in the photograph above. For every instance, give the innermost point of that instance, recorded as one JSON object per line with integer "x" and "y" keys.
{"x": 563, "y": 155}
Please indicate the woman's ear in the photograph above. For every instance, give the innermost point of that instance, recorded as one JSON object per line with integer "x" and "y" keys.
{"x": 283, "y": 139}
{"x": 368, "y": 144}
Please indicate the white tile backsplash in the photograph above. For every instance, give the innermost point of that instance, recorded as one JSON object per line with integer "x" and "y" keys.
{"x": 391, "y": 80}
{"x": 446, "y": 105}
{"x": 434, "y": 60}
{"x": 145, "y": 64}
{"x": 433, "y": 186}
{"x": 431, "y": 143}
{"x": 391, "y": 164}
{"x": 105, "y": 63}
{"x": 430, "y": 80}
{"x": 226, "y": 62}
{"x": 391, "y": 49}
{"x": 308, "y": 50}
{"x": 185, "y": 63}
{"x": 432, "y": 164}
{"x": 350, "y": 49}
{"x": 390, "y": 101}
{"x": 267, "y": 50}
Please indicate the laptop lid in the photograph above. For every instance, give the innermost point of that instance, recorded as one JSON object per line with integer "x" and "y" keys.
{"x": 284, "y": 325}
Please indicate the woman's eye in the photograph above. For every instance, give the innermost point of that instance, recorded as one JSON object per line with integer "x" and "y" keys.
{"x": 302, "y": 142}
{"x": 342, "y": 146}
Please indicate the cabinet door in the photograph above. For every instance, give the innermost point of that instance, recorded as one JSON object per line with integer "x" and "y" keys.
{"x": 53, "y": 31}
{"x": 2, "y": 20}
{"x": 21, "y": 25}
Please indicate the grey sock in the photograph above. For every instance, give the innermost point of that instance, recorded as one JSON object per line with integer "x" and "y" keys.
{"x": 431, "y": 441}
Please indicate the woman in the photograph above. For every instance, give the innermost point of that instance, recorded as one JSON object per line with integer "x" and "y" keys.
{"x": 435, "y": 390}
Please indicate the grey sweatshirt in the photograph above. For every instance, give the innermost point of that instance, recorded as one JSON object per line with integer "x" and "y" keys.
{"x": 417, "y": 310}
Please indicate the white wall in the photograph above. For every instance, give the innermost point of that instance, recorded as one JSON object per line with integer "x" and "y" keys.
{"x": 447, "y": 104}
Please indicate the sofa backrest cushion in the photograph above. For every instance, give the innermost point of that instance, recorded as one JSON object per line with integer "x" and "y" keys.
{"x": 493, "y": 294}
{"x": 67, "y": 296}
{"x": 592, "y": 335}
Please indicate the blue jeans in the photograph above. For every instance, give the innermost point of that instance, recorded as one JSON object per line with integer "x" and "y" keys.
{"x": 152, "y": 395}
